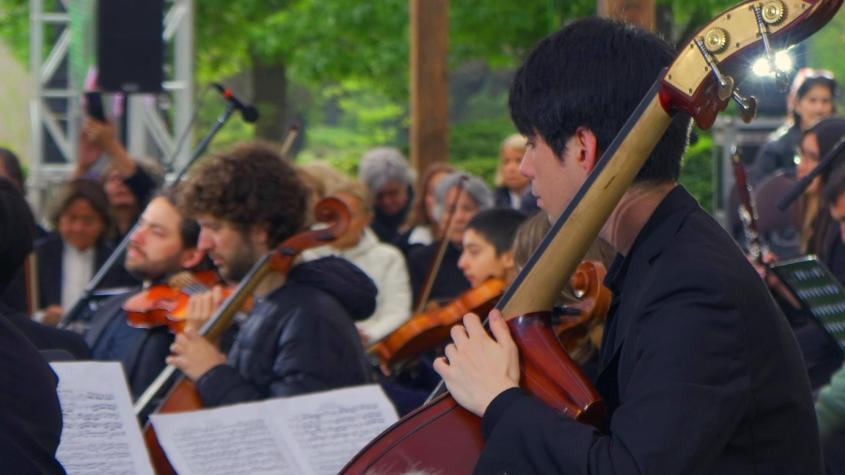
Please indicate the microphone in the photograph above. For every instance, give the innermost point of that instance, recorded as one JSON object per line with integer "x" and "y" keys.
{"x": 248, "y": 112}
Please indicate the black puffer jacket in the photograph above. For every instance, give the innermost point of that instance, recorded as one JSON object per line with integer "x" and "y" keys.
{"x": 299, "y": 339}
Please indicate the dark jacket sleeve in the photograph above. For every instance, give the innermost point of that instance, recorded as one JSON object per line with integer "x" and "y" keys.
{"x": 685, "y": 392}
{"x": 308, "y": 358}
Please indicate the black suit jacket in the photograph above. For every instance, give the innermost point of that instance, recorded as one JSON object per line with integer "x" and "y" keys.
{"x": 49, "y": 252}
{"x": 140, "y": 351}
{"x": 699, "y": 369}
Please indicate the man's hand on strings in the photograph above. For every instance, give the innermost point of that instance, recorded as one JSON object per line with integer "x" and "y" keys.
{"x": 194, "y": 355}
{"x": 478, "y": 368}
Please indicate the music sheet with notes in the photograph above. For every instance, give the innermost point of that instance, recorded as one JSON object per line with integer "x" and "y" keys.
{"x": 311, "y": 434}
{"x": 100, "y": 434}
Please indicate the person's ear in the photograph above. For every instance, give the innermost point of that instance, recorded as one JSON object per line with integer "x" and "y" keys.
{"x": 588, "y": 153}
{"x": 191, "y": 258}
{"x": 259, "y": 235}
{"x": 507, "y": 260}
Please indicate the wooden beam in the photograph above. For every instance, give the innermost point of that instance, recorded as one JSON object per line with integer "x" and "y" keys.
{"x": 429, "y": 82}
{"x": 636, "y": 12}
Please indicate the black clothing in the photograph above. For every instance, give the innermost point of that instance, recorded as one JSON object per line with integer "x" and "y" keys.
{"x": 30, "y": 414}
{"x": 388, "y": 227}
{"x": 140, "y": 351}
{"x": 700, "y": 371}
{"x": 142, "y": 185}
{"x": 49, "y": 253}
{"x": 450, "y": 281}
{"x": 44, "y": 337}
{"x": 528, "y": 202}
{"x": 776, "y": 154}
{"x": 298, "y": 339}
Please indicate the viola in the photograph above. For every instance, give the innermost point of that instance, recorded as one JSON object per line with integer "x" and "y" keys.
{"x": 166, "y": 304}
{"x": 428, "y": 329}
{"x": 441, "y": 436}
{"x": 182, "y": 395}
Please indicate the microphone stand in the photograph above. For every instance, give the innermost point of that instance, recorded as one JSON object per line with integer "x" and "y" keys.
{"x": 72, "y": 315}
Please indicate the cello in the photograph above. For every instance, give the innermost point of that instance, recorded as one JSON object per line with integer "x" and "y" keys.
{"x": 442, "y": 437}
{"x": 183, "y": 394}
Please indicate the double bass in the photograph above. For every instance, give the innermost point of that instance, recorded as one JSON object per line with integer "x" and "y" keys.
{"x": 442, "y": 437}
{"x": 182, "y": 395}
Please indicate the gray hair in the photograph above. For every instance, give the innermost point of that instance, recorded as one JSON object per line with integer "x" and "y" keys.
{"x": 474, "y": 187}
{"x": 381, "y": 165}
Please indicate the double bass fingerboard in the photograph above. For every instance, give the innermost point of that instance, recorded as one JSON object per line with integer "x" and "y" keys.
{"x": 819, "y": 292}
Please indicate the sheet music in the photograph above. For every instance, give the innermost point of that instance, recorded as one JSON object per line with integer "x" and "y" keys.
{"x": 316, "y": 433}
{"x": 329, "y": 428}
{"x": 100, "y": 435}
{"x": 225, "y": 440}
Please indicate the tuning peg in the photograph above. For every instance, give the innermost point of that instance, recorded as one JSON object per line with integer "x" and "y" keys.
{"x": 747, "y": 105}
{"x": 726, "y": 83}
{"x": 780, "y": 77}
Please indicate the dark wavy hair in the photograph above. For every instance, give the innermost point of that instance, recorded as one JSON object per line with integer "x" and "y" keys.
{"x": 84, "y": 189}
{"x": 248, "y": 185}
{"x": 593, "y": 73}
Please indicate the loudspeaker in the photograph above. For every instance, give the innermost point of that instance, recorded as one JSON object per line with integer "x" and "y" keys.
{"x": 130, "y": 49}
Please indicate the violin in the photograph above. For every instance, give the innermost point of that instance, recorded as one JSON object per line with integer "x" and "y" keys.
{"x": 182, "y": 395}
{"x": 443, "y": 437}
{"x": 428, "y": 329}
{"x": 166, "y": 304}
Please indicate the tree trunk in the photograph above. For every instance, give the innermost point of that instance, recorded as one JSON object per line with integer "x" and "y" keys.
{"x": 637, "y": 12}
{"x": 429, "y": 83}
{"x": 270, "y": 88}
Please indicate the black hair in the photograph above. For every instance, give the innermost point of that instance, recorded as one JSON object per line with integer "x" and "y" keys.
{"x": 498, "y": 226}
{"x": 811, "y": 81}
{"x": 593, "y": 73}
{"x": 12, "y": 165}
{"x": 189, "y": 228}
{"x": 835, "y": 186}
{"x": 828, "y": 131}
{"x": 17, "y": 230}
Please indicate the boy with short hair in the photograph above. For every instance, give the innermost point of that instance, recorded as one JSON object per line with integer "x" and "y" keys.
{"x": 487, "y": 246}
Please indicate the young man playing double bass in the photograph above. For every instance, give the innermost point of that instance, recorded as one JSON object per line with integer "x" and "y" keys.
{"x": 698, "y": 368}
{"x": 299, "y": 336}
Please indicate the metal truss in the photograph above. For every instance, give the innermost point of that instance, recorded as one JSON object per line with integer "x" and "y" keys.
{"x": 153, "y": 122}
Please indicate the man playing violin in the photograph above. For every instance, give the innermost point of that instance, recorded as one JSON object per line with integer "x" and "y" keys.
{"x": 698, "y": 368}
{"x": 164, "y": 243}
{"x": 299, "y": 336}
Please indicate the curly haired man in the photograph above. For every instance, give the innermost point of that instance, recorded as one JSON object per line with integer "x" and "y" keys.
{"x": 299, "y": 336}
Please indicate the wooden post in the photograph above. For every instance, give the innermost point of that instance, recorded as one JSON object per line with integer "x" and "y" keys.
{"x": 429, "y": 82}
{"x": 636, "y": 12}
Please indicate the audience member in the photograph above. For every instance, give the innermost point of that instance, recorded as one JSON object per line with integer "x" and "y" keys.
{"x": 69, "y": 257}
{"x": 128, "y": 184}
{"x": 383, "y": 263}
{"x": 811, "y": 98}
{"x": 512, "y": 189}
{"x": 421, "y": 227}
{"x": 389, "y": 180}
{"x": 460, "y": 206}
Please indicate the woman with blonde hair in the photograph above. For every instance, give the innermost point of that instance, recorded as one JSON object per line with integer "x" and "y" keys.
{"x": 512, "y": 189}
